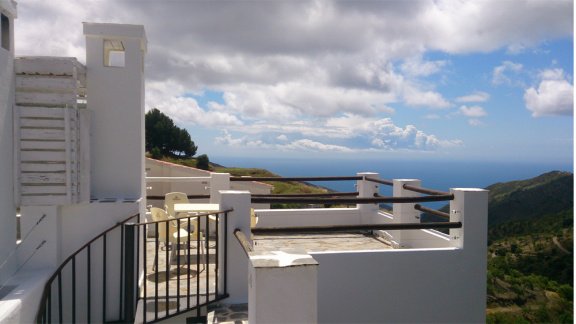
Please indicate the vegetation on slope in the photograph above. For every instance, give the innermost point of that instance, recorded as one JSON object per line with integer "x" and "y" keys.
{"x": 291, "y": 187}
{"x": 530, "y": 255}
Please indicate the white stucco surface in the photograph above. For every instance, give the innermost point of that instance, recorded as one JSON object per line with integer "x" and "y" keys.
{"x": 7, "y": 206}
{"x": 307, "y": 217}
{"x": 116, "y": 98}
{"x": 21, "y": 304}
{"x": 156, "y": 168}
{"x": 282, "y": 288}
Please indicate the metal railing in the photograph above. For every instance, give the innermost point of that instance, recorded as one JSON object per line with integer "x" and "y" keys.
{"x": 369, "y": 200}
{"x": 189, "y": 197}
{"x": 352, "y": 228}
{"x": 81, "y": 297}
{"x": 199, "y": 254}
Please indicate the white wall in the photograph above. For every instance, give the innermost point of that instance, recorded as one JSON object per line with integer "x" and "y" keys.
{"x": 307, "y": 217}
{"x": 156, "y": 168}
{"x": 116, "y": 98}
{"x": 410, "y": 286}
{"x": 7, "y": 208}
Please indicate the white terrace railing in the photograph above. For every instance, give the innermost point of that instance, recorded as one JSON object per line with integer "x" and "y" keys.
{"x": 427, "y": 276}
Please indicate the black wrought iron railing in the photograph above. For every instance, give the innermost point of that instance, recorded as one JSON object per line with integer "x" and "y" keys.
{"x": 184, "y": 265}
{"x": 179, "y": 269}
{"x": 80, "y": 288}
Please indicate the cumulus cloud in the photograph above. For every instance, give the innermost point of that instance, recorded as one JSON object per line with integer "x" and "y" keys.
{"x": 432, "y": 99}
{"x": 313, "y": 146}
{"x": 554, "y": 95}
{"x": 472, "y": 111}
{"x": 500, "y": 74}
{"x": 416, "y": 66}
{"x": 296, "y": 67}
{"x": 375, "y": 133}
{"x": 478, "y": 96}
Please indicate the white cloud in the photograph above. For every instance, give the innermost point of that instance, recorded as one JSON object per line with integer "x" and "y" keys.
{"x": 475, "y": 122}
{"x": 472, "y": 111}
{"x": 478, "y": 96}
{"x": 381, "y": 134}
{"x": 292, "y": 67}
{"x": 500, "y": 73}
{"x": 553, "y": 97}
{"x": 282, "y": 138}
{"x": 310, "y": 145}
{"x": 431, "y": 99}
{"x": 416, "y": 66}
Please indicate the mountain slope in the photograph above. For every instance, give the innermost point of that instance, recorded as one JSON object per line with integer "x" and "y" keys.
{"x": 549, "y": 193}
{"x": 530, "y": 252}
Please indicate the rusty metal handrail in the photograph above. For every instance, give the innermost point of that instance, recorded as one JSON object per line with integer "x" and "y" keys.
{"x": 286, "y": 179}
{"x": 432, "y": 211}
{"x": 335, "y": 201}
{"x": 425, "y": 190}
{"x": 330, "y": 194}
{"x": 381, "y": 181}
{"x": 352, "y": 228}
{"x": 189, "y": 197}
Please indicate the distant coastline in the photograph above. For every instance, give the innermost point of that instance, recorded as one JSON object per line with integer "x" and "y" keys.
{"x": 437, "y": 175}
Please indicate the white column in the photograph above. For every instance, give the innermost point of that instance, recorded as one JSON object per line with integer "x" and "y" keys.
{"x": 367, "y": 189}
{"x": 405, "y": 213}
{"x": 470, "y": 206}
{"x": 237, "y": 262}
{"x": 116, "y": 100}
{"x": 283, "y": 288}
{"x": 218, "y": 181}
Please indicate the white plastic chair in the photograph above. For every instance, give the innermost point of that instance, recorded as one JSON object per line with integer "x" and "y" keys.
{"x": 175, "y": 235}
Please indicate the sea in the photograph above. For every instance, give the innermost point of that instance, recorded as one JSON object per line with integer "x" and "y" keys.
{"x": 438, "y": 175}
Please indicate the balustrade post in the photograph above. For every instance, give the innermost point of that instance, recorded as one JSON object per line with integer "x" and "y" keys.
{"x": 405, "y": 213}
{"x": 218, "y": 181}
{"x": 470, "y": 206}
{"x": 367, "y": 189}
{"x": 283, "y": 287}
{"x": 236, "y": 275}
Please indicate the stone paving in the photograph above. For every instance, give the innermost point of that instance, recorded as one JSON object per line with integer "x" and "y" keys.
{"x": 179, "y": 287}
{"x": 320, "y": 242}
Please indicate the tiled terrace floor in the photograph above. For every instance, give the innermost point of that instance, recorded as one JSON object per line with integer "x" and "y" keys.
{"x": 180, "y": 287}
{"x": 320, "y": 242}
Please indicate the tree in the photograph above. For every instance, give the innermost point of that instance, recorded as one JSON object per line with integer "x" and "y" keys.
{"x": 202, "y": 162}
{"x": 169, "y": 139}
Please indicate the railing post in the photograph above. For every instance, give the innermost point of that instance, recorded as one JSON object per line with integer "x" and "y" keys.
{"x": 405, "y": 213}
{"x": 218, "y": 181}
{"x": 130, "y": 271}
{"x": 236, "y": 260}
{"x": 367, "y": 189}
{"x": 470, "y": 206}
{"x": 283, "y": 287}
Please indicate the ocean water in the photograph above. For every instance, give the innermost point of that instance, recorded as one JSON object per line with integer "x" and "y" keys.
{"x": 434, "y": 175}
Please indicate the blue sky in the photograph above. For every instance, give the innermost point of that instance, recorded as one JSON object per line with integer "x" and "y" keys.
{"x": 425, "y": 80}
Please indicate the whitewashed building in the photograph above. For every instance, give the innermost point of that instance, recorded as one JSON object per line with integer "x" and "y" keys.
{"x": 73, "y": 203}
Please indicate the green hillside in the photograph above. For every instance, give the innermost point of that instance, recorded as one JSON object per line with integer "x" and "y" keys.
{"x": 549, "y": 193}
{"x": 530, "y": 252}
